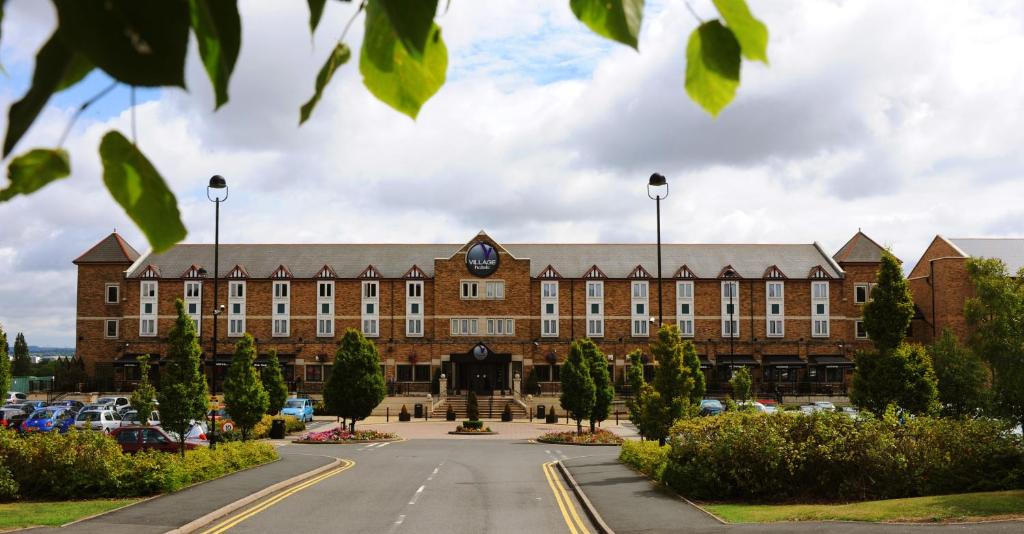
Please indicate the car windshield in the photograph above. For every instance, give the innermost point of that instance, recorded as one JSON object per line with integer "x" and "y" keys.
{"x": 89, "y": 416}
{"x": 106, "y": 400}
{"x": 40, "y": 415}
{"x": 295, "y": 404}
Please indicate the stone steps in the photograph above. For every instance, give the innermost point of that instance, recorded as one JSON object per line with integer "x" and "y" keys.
{"x": 459, "y": 405}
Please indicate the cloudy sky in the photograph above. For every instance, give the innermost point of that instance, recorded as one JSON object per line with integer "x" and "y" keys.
{"x": 900, "y": 119}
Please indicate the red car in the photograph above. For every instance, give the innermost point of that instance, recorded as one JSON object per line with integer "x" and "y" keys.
{"x": 146, "y": 438}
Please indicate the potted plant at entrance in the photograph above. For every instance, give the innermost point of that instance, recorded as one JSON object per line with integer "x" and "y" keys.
{"x": 506, "y": 414}
{"x": 450, "y": 414}
{"x": 473, "y": 421}
{"x": 551, "y": 418}
{"x": 404, "y": 415}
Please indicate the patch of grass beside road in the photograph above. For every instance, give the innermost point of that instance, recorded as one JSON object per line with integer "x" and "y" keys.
{"x": 52, "y": 514}
{"x": 959, "y": 507}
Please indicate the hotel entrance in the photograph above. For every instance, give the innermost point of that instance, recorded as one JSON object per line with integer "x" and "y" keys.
{"x": 480, "y": 370}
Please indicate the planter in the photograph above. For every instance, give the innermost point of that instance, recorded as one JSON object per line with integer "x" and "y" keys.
{"x": 551, "y": 418}
{"x": 336, "y": 436}
{"x": 473, "y": 424}
{"x": 450, "y": 416}
{"x": 506, "y": 417}
{"x": 404, "y": 417}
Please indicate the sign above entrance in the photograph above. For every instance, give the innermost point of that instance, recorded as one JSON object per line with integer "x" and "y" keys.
{"x": 480, "y": 352}
{"x": 482, "y": 260}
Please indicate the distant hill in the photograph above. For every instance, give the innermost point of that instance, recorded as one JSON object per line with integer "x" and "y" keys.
{"x": 32, "y": 349}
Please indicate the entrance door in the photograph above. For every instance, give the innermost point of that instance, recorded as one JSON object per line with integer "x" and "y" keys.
{"x": 480, "y": 377}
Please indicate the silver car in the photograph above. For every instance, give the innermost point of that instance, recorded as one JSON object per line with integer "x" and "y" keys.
{"x": 105, "y": 420}
{"x": 131, "y": 418}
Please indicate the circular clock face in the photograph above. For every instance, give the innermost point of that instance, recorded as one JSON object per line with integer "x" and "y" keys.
{"x": 480, "y": 352}
{"x": 482, "y": 260}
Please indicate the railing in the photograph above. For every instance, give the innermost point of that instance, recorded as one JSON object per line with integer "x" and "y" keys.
{"x": 773, "y": 389}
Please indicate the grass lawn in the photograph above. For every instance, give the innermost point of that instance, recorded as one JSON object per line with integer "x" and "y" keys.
{"x": 27, "y": 514}
{"x": 960, "y": 507}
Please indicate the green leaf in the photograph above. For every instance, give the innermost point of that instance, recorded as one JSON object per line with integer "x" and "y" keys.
{"x": 391, "y": 73}
{"x": 413, "y": 22}
{"x": 751, "y": 33}
{"x": 618, "y": 20}
{"x": 712, "y": 66}
{"x": 57, "y": 68}
{"x": 141, "y": 191}
{"x": 219, "y": 33}
{"x": 316, "y": 10}
{"x": 137, "y": 43}
{"x": 339, "y": 57}
{"x": 30, "y": 172}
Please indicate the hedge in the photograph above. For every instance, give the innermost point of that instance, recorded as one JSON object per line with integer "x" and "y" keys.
{"x": 645, "y": 456}
{"x": 262, "y": 429}
{"x": 82, "y": 464}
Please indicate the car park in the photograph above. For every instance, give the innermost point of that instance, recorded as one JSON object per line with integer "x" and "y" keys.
{"x": 825, "y": 405}
{"x": 15, "y": 396}
{"x": 49, "y": 419}
{"x": 75, "y": 405}
{"x": 752, "y": 406}
{"x": 147, "y": 438}
{"x": 131, "y": 418}
{"x": 27, "y": 406}
{"x": 120, "y": 404}
{"x": 11, "y": 418}
{"x": 105, "y": 420}
{"x": 300, "y": 408}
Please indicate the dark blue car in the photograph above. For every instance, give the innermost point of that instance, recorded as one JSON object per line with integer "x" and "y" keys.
{"x": 49, "y": 419}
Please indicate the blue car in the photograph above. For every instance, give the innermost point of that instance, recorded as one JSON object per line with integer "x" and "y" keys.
{"x": 49, "y": 419}
{"x": 301, "y": 408}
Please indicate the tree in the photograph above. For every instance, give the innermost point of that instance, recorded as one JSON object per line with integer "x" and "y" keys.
{"x": 888, "y": 313}
{"x": 472, "y": 407}
{"x": 5, "y": 364}
{"x": 356, "y": 385}
{"x": 144, "y": 396}
{"x": 578, "y": 391}
{"x": 961, "y": 375}
{"x": 635, "y": 379}
{"x": 903, "y": 377}
{"x": 740, "y": 383}
{"x": 403, "y": 61}
{"x": 604, "y": 392}
{"x": 692, "y": 362}
{"x": 22, "y": 365}
{"x": 183, "y": 394}
{"x": 273, "y": 383}
{"x": 672, "y": 382}
{"x": 244, "y": 396}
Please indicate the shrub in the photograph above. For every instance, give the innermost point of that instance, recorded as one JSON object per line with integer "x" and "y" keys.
{"x": 599, "y": 436}
{"x": 450, "y": 413}
{"x": 262, "y": 429}
{"x": 645, "y": 456}
{"x": 473, "y": 424}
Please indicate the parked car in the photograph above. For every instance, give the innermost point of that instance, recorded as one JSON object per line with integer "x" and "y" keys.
{"x": 105, "y": 420}
{"x": 752, "y": 406}
{"x": 195, "y": 434}
{"x": 75, "y": 405}
{"x": 808, "y": 408}
{"x": 120, "y": 403}
{"x": 825, "y": 405}
{"x": 131, "y": 418}
{"x": 49, "y": 419}
{"x": 850, "y": 412}
{"x": 300, "y": 408}
{"x": 11, "y": 418}
{"x": 15, "y": 396}
{"x": 142, "y": 438}
{"x": 711, "y": 407}
{"x": 27, "y": 406}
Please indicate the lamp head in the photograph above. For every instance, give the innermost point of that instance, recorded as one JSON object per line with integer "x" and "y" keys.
{"x": 657, "y": 180}
{"x": 218, "y": 182}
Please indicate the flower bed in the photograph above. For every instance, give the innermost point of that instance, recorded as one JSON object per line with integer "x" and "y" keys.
{"x": 462, "y": 429}
{"x": 337, "y": 435}
{"x": 598, "y": 437}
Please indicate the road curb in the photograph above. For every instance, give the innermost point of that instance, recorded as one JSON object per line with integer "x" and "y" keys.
{"x": 588, "y": 507}
{"x": 227, "y": 509}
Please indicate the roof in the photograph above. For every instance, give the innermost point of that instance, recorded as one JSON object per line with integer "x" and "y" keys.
{"x": 569, "y": 260}
{"x": 860, "y": 249}
{"x": 1010, "y": 250}
{"x": 112, "y": 249}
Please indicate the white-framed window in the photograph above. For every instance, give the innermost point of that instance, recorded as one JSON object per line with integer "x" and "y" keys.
{"x": 638, "y": 308}
{"x": 775, "y": 309}
{"x": 147, "y": 308}
{"x": 684, "y": 308}
{"x": 494, "y": 289}
{"x": 819, "y": 309}
{"x": 282, "y": 309}
{"x": 549, "y": 309}
{"x": 464, "y": 326}
{"x": 112, "y": 293}
{"x": 730, "y": 308}
{"x": 595, "y": 309}
{"x": 860, "y": 331}
{"x": 325, "y": 308}
{"x": 414, "y": 309}
{"x": 111, "y": 328}
{"x": 236, "y": 308}
{"x": 862, "y": 293}
{"x": 470, "y": 290}
{"x": 501, "y": 327}
{"x": 371, "y": 308}
{"x": 194, "y": 303}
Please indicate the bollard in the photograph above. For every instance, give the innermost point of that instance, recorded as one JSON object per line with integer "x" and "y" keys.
{"x": 616, "y": 418}
{"x": 387, "y": 414}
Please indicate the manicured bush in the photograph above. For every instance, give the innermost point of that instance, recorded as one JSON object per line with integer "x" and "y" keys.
{"x": 404, "y": 414}
{"x": 473, "y": 424}
{"x": 645, "y": 456}
{"x": 262, "y": 429}
{"x": 551, "y": 417}
{"x": 450, "y": 413}
{"x": 506, "y": 414}
{"x": 829, "y": 456}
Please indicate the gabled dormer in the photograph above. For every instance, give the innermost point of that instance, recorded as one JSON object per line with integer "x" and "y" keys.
{"x": 151, "y": 271}
{"x": 729, "y": 273}
{"x": 549, "y": 273}
{"x": 684, "y": 273}
{"x": 326, "y": 272}
{"x": 414, "y": 273}
{"x": 238, "y": 272}
{"x": 594, "y": 272}
{"x": 639, "y": 273}
{"x": 194, "y": 271}
{"x": 281, "y": 272}
{"x": 370, "y": 272}
{"x": 774, "y": 273}
{"x": 819, "y": 273}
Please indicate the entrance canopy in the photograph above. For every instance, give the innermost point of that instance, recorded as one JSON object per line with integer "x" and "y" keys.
{"x": 481, "y": 353}
{"x": 838, "y": 361}
{"x": 784, "y": 362}
{"x": 739, "y": 359}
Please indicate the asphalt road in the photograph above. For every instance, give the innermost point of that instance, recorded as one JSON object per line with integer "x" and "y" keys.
{"x": 424, "y": 486}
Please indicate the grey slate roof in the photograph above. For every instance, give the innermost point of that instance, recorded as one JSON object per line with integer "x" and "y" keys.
{"x": 860, "y": 248}
{"x": 570, "y": 260}
{"x": 112, "y": 249}
{"x": 1011, "y": 251}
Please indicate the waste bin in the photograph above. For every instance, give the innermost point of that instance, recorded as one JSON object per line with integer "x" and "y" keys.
{"x": 277, "y": 429}
{"x": 540, "y": 411}
{"x": 418, "y": 411}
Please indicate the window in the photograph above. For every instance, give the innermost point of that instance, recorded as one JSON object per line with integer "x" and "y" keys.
{"x": 862, "y": 293}
{"x": 819, "y": 309}
{"x": 112, "y": 292}
{"x": 549, "y": 309}
{"x": 236, "y": 309}
{"x": 325, "y": 309}
{"x": 414, "y": 309}
{"x": 775, "y": 311}
{"x": 730, "y": 309}
{"x": 463, "y": 327}
{"x": 422, "y": 373}
{"x": 147, "y": 308}
{"x": 862, "y": 333}
{"x": 500, "y": 327}
{"x": 494, "y": 290}
{"x": 638, "y": 306}
{"x": 110, "y": 332}
{"x": 371, "y": 311}
{"x": 314, "y": 373}
{"x": 470, "y": 290}
{"x": 281, "y": 313}
{"x": 684, "y": 308}
{"x": 595, "y": 309}
{"x": 194, "y": 302}
{"x": 403, "y": 373}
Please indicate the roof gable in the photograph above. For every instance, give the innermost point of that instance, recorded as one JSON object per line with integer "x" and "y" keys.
{"x": 729, "y": 272}
{"x": 860, "y": 249}
{"x": 594, "y": 272}
{"x": 370, "y": 272}
{"x": 415, "y": 273}
{"x": 684, "y": 272}
{"x": 326, "y": 272}
{"x": 111, "y": 249}
{"x": 238, "y": 272}
{"x": 194, "y": 271}
{"x": 774, "y": 273}
{"x": 639, "y": 272}
{"x": 818, "y": 272}
{"x": 151, "y": 271}
{"x": 549, "y": 273}
{"x": 281, "y": 272}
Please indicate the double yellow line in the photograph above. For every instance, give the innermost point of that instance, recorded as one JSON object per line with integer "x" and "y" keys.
{"x": 233, "y": 521}
{"x": 572, "y": 519}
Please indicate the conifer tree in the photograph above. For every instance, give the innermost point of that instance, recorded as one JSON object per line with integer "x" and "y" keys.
{"x": 741, "y": 383}
{"x": 672, "y": 382}
{"x": 692, "y": 362}
{"x": 22, "y": 361}
{"x": 273, "y": 383}
{"x": 961, "y": 377}
{"x": 5, "y": 364}
{"x": 635, "y": 379}
{"x": 578, "y": 391}
{"x": 356, "y": 385}
{"x": 183, "y": 394}
{"x": 903, "y": 377}
{"x": 604, "y": 392}
{"x": 244, "y": 396}
{"x": 145, "y": 394}
{"x": 888, "y": 314}
{"x": 472, "y": 407}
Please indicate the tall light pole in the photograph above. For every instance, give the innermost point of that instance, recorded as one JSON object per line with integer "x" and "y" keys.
{"x": 656, "y": 182}
{"x": 217, "y": 183}
{"x": 732, "y": 325}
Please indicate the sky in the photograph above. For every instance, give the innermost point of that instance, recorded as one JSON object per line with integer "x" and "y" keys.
{"x": 898, "y": 119}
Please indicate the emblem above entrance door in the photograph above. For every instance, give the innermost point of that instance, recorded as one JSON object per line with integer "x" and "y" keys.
{"x": 480, "y": 352}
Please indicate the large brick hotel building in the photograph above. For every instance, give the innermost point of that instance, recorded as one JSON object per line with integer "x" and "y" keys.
{"x": 484, "y": 311}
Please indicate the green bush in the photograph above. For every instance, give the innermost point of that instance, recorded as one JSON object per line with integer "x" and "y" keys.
{"x": 473, "y": 424}
{"x": 262, "y": 429}
{"x": 645, "y": 456}
{"x": 829, "y": 456}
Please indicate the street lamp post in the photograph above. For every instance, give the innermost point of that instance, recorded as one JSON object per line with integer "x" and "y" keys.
{"x": 217, "y": 182}
{"x": 732, "y": 326}
{"x": 655, "y": 182}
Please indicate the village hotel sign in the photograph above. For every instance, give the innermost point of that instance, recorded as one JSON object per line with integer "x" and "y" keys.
{"x": 482, "y": 260}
